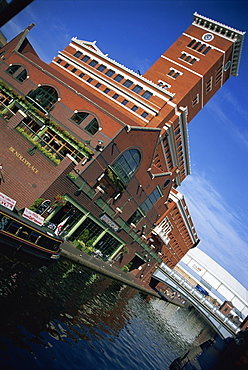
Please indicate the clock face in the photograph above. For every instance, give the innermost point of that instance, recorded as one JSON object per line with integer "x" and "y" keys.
{"x": 227, "y": 65}
{"x": 207, "y": 37}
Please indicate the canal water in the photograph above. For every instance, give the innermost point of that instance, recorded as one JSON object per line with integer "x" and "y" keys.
{"x": 63, "y": 316}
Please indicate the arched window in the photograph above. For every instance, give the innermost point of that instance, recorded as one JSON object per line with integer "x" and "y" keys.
{"x": 22, "y": 76}
{"x": 127, "y": 164}
{"x": 79, "y": 117}
{"x": 90, "y": 122}
{"x": 12, "y": 69}
{"x": 44, "y": 96}
{"x": 92, "y": 127}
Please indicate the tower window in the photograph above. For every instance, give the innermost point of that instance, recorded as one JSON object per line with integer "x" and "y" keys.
{"x": 115, "y": 96}
{"x": 191, "y": 43}
{"x": 106, "y": 91}
{"x": 74, "y": 70}
{"x": 174, "y": 73}
{"x": 59, "y": 61}
{"x": 134, "y": 108}
{"x": 209, "y": 85}
{"x": 206, "y": 50}
{"x": 195, "y": 100}
{"x": 125, "y": 101}
{"x": 66, "y": 65}
{"x": 90, "y": 80}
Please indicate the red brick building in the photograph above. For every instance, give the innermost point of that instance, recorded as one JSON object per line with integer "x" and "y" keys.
{"x": 111, "y": 142}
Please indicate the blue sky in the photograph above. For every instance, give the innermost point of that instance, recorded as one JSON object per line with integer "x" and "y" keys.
{"x": 135, "y": 34}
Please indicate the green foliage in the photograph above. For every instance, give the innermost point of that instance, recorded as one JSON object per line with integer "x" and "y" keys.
{"x": 60, "y": 200}
{"x": 84, "y": 247}
{"x": 71, "y": 175}
{"x": 127, "y": 267}
{"x": 125, "y": 250}
{"x": 36, "y": 204}
{"x": 39, "y": 146}
{"x": 115, "y": 179}
{"x": 91, "y": 241}
{"x": 85, "y": 234}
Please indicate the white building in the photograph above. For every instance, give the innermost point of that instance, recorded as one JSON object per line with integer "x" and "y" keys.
{"x": 216, "y": 280}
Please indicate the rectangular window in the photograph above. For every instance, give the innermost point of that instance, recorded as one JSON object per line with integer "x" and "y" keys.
{"x": 110, "y": 72}
{"x": 195, "y": 100}
{"x": 59, "y": 61}
{"x": 137, "y": 89}
{"x": 101, "y": 68}
{"x": 78, "y": 54}
{"x": 74, "y": 70}
{"x": 196, "y": 45}
{"x": 82, "y": 75}
{"x": 106, "y": 91}
{"x": 206, "y": 50}
{"x": 124, "y": 102}
{"x": 93, "y": 63}
{"x": 98, "y": 85}
{"x": 128, "y": 83}
{"x": 90, "y": 80}
{"x": 118, "y": 78}
{"x": 201, "y": 48}
{"x": 115, "y": 96}
{"x": 147, "y": 95}
{"x": 218, "y": 75}
{"x": 135, "y": 218}
{"x": 191, "y": 43}
{"x": 144, "y": 114}
{"x": 134, "y": 108}
{"x": 85, "y": 59}
{"x": 209, "y": 85}
{"x": 150, "y": 201}
{"x": 66, "y": 65}
{"x": 173, "y": 73}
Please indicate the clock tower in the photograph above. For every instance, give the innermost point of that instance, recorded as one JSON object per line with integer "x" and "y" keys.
{"x": 198, "y": 63}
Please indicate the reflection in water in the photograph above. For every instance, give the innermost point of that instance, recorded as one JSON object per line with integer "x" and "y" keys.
{"x": 65, "y": 317}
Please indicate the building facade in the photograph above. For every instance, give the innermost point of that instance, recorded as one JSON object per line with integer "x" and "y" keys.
{"x": 101, "y": 149}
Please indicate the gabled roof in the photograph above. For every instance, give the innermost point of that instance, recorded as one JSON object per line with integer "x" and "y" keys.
{"x": 88, "y": 45}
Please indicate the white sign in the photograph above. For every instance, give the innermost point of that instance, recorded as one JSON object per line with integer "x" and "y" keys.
{"x": 109, "y": 222}
{"x": 32, "y": 216}
{"x": 7, "y": 202}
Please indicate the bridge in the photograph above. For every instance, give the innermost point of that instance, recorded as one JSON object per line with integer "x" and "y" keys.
{"x": 221, "y": 323}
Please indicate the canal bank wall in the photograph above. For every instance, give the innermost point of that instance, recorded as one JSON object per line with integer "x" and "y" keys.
{"x": 73, "y": 254}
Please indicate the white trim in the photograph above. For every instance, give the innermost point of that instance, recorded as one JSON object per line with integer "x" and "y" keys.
{"x": 138, "y": 77}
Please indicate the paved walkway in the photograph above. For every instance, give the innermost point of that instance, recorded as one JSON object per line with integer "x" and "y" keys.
{"x": 105, "y": 268}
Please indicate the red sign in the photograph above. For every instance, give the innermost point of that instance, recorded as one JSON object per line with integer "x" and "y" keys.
{"x": 7, "y": 202}
{"x": 32, "y": 216}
